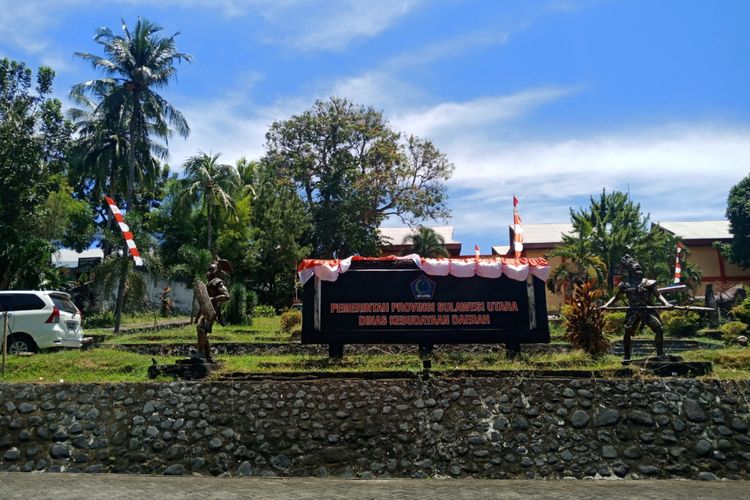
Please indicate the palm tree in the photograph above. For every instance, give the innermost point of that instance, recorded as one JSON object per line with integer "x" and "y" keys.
{"x": 212, "y": 184}
{"x": 135, "y": 65}
{"x": 579, "y": 265}
{"x": 426, "y": 243}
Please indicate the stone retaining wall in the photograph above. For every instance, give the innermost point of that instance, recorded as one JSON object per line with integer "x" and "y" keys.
{"x": 481, "y": 427}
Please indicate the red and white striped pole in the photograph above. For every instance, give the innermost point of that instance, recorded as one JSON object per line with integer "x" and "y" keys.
{"x": 517, "y": 230}
{"x": 125, "y": 231}
{"x": 677, "y": 265}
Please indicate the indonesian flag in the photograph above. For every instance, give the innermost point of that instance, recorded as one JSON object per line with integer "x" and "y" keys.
{"x": 476, "y": 251}
{"x": 125, "y": 231}
{"x": 677, "y": 265}
{"x": 517, "y": 230}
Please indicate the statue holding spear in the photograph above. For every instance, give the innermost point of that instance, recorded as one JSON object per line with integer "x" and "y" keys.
{"x": 640, "y": 293}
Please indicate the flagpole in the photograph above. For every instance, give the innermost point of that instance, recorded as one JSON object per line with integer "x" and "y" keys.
{"x": 517, "y": 242}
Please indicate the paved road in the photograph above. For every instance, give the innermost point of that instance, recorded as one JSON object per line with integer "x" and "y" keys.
{"x": 29, "y": 486}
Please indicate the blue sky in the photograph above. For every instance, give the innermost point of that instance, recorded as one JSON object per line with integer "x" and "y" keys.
{"x": 552, "y": 100}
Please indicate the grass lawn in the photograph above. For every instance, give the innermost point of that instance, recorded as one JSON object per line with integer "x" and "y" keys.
{"x": 261, "y": 331}
{"x": 109, "y": 365}
{"x": 105, "y": 364}
{"x": 96, "y": 365}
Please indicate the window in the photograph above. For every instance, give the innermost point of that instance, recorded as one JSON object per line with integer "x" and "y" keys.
{"x": 64, "y": 304}
{"x": 6, "y": 303}
{"x": 27, "y": 302}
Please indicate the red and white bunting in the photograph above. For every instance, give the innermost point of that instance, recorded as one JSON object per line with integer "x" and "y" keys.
{"x": 677, "y": 265}
{"x": 517, "y": 230}
{"x": 125, "y": 231}
{"x": 460, "y": 267}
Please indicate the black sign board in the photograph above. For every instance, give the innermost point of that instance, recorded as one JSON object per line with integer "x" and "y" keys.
{"x": 396, "y": 302}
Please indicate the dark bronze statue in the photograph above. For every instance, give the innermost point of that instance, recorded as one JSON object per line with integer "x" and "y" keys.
{"x": 639, "y": 292}
{"x": 210, "y": 297}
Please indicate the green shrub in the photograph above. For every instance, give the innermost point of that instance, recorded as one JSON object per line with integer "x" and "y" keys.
{"x": 680, "y": 323}
{"x": 730, "y": 331}
{"x": 289, "y": 320}
{"x": 236, "y": 308}
{"x": 741, "y": 312}
{"x": 614, "y": 323}
{"x": 252, "y": 301}
{"x": 99, "y": 319}
{"x": 264, "y": 311}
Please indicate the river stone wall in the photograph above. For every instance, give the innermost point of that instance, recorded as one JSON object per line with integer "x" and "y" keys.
{"x": 481, "y": 427}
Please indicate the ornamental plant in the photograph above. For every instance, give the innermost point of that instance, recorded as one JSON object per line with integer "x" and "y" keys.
{"x": 290, "y": 319}
{"x": 584, "y": 322}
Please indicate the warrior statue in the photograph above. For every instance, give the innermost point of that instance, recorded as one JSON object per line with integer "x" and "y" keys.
{"x": 639, "y": 293}
{"x": 210, "y": 297}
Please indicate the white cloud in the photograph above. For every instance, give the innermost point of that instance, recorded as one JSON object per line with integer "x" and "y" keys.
{"x": 448, "y": 119}
{"x": 23, "y": 23}
{"x": 302, "y": 24}
{"x": 679, "y": 172}
{"x": 379, "y": 89}
{"x": 450, "y": 47}
{"x": 232, "y": 125}
{"x": 333, "y": 25}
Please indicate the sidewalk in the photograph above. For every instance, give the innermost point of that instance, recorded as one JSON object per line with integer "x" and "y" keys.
{"x": 61, "y": 486}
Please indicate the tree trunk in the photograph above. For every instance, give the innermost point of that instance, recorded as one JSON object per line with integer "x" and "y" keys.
{"x": 208, "y": 225}
{"x": 132, "y": 126}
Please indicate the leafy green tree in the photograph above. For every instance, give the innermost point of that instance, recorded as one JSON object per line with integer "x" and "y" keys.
{"x": 659, "y": 261}
{"x": 426, "y": 243}
{"x": 234, "y": 237}
{"x": 136, "y": 64}
{"x": 193, "y": 263}
{"x": 738, "y": 213}
{"x": 617, "y": 228}
{"x": 63, "y": 219}
{"x": 353, "y": 171}
{"x": 34, "y": 139}
{"x": 279, "y": 223}
{"x": 213, "y": 186}
{"x": 609, "y": 228}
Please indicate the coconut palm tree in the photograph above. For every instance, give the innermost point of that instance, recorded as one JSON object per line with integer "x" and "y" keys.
{"x": 426, "y": 243}
{"x": 135, "y": 65}
{"x": 210, "y": 184}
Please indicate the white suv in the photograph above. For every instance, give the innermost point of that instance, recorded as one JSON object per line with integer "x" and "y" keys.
{"x": 39, "y": 320}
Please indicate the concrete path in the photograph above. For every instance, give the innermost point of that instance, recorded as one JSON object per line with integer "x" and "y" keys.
{"x": 62, "y": 486}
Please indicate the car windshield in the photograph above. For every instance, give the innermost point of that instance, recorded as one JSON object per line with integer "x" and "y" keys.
{"x": 64, "y": 304}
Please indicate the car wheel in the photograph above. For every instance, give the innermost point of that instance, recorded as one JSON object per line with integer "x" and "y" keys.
{"x": 18, "y": 344}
